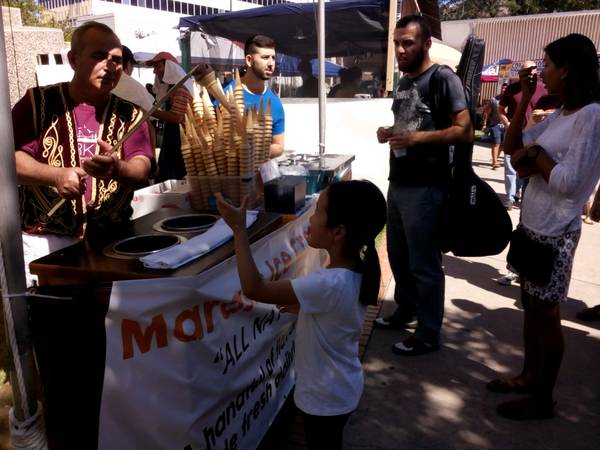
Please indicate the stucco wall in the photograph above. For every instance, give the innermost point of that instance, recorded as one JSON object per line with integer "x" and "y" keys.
{"x": 23, "y": 44}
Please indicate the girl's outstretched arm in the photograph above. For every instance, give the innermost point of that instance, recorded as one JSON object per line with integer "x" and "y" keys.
{"x": 253, "y": 285}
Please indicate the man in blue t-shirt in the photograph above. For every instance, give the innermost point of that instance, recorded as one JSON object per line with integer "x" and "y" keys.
{"x": 260, "y": 65}
{"x": 419, "y": 171}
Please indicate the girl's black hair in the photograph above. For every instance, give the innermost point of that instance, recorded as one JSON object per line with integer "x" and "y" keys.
{"x": 578, "y": 54}
{"x": 360, "y": 207}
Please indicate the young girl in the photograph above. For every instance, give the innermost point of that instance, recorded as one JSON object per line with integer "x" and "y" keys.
{"x": 333, "y": 300}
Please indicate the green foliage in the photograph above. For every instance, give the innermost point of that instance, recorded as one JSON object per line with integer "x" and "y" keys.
{"x": 475, "y": 9}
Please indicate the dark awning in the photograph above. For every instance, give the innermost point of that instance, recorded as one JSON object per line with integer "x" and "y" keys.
{"x": 353, "y": 27}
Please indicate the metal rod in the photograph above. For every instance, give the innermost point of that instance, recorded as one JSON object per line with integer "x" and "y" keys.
{"x": 154, "y": 108}
{"x": 322, "y": 96}
{"x": 389, "y": 68}
{"x": 23, "y": 373}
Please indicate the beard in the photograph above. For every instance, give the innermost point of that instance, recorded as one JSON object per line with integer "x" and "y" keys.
{"x": 260, "y": 74}
{"x": 414, "y": 64}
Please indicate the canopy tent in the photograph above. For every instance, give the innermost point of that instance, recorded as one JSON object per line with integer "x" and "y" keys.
{"x": 444, "y": 54}
{"x": 145, "y": 48}
{"x": 353, "y": 27}
{"x": 219, "y": 52}
{"x": 288, "y": 66}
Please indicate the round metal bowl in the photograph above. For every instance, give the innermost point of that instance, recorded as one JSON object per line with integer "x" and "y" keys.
{"x": 145, "y": 244}
{"x": 187, "y": 223}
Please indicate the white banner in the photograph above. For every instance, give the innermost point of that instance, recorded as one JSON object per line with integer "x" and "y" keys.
{"x": 192, "y": 364}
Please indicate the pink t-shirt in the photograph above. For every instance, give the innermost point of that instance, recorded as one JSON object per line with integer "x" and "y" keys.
{"x": 87, "y": 126}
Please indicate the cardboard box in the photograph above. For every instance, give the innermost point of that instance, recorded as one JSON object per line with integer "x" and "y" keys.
{"x": 168, "y": 194}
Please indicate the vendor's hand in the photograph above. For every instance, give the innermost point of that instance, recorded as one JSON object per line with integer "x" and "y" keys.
{"x": 103, "y": 166}
{"x": 234, "y": 217}
{"x": 522, "y": 165}
{"x": 403, "y": 139}
{"x": 383, "y": 134}
{"x": 528, "y": 80}
{"x": 70, "y": 182}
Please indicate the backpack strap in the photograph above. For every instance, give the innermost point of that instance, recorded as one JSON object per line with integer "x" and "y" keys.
{"x": 439, "y": 111}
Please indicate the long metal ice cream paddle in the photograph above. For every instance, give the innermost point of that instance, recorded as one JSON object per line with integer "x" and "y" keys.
{"x": 139, "y": 123}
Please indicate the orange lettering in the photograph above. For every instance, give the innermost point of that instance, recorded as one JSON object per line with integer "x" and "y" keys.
{"x": 189, "y": 314}
{"x": 131, "y": 329}
{"x": 236, "y": 304}
{"x": 210, "y": 324}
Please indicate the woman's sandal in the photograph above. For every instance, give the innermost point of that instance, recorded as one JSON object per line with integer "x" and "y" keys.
{"x": 527, "y": 408}
{"x": 507, "y": 386}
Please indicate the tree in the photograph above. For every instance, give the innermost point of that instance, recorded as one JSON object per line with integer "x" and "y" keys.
{"x": 475, "y": 9}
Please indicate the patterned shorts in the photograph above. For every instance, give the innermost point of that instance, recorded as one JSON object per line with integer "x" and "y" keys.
{"x": 557, "y": 289}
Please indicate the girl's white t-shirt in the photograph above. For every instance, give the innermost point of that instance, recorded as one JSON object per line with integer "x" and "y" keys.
{"x": 573, "y": 142}
{"x": 329, "y": 376}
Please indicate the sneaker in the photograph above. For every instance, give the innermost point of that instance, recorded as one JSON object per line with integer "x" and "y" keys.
{"x": 413, "y": 346}
{"x": 394, "y": 323}
{"x": 508, "y": 279}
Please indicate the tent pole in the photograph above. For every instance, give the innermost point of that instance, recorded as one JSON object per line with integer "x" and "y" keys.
{"x": 389, "y": 68}
{"x": 322, "y": 96}
{"x": 22, "y": 373}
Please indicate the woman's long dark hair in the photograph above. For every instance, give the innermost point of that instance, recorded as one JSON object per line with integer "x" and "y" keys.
{"x": 360, "y": 207}
{"x": 578, "y": 54}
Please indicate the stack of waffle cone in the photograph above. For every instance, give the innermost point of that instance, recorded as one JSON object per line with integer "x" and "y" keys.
{"x": 267, "y": 132}
{"x": 197, "y": 106}
{"x": 257, "y": 140}
{"x": 219, "y": 151}
{"x": 187, "y": 153}
{"x": 212, "y": 85}
{"x": 195, "y": 143}
{"x": 209, "y": 112}
{"x": 246, "y": 154}
{"x": 210, "y": 165}
{"x": 235, "y": 146}
{"x": 239, "y": 98}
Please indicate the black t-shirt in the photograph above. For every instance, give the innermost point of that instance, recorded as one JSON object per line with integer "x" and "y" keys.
{"x": 424, "y": 165}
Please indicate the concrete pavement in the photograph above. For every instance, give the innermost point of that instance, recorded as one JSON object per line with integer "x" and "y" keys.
{"x": 439, "y": 401}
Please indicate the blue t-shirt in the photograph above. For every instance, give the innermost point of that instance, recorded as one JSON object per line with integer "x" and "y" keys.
{"x": 253, "y": 101}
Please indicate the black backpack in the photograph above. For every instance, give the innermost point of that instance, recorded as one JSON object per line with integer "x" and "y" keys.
{"x": 473, "y": 220}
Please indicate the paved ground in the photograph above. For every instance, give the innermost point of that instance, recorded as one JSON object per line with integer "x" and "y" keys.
{"x": 438, "y": 401}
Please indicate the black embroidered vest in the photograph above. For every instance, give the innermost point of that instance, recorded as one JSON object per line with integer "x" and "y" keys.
{"x": 55, "y": 127}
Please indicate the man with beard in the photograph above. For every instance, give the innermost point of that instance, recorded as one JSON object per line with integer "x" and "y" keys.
{"x": 260, "y": 65}
{"x": 419, "y": 145}
{"x": 64, "y": 136}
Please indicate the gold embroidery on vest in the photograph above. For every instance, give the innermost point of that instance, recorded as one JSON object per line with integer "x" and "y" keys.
{"x": 51, "y": 150}
{"x": 74, "y": 151}
{"x": 98, "y": 192}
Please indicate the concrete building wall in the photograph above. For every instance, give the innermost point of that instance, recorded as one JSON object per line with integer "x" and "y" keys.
{"x": 23, "y": 45}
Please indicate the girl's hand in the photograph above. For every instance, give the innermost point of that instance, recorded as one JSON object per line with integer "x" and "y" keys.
{"x": 234, "y": 217}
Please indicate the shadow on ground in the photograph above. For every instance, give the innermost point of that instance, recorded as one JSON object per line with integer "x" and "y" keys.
{"x": 438, "y": 401}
